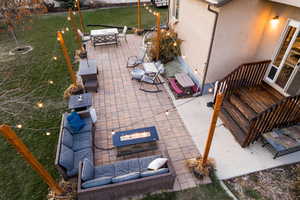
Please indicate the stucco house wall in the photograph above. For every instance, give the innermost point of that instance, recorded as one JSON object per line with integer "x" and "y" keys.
{"x": 194, "y": 27}
{"x": 239, "y": 31}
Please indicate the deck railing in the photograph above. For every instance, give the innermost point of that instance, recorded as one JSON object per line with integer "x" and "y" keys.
{"x": 246, "y": 75}
{"x": 284, "y": 113}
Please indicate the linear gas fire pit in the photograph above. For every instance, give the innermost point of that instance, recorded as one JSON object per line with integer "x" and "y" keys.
{"x": 135, "y": 140}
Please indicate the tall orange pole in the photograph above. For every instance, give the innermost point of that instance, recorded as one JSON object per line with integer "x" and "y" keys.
{"x": 14, "y": 140}
{"x": 157, "y": 35}
{"x": 80, "y": 16}
{"x": 67, "y": 57}
{"x": 217, "y": 108}
{"x": 74, "y": 28}
{"x": 139, "y": 19}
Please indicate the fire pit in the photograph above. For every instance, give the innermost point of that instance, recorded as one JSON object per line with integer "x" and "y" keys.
{"x": 135, "y": 140}
{"x": 20, "y": 50}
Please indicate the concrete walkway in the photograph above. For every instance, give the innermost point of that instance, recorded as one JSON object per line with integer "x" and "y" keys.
{"x": 231, "y": 159}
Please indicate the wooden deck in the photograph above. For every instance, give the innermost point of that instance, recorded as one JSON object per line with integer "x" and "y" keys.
{"x": 245, "y": 104}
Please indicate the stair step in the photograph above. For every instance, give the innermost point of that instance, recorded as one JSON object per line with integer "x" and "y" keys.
{"x": 234, "y": 128}
{"x": 236, "y": 115}
{"x": 247, "y": 111}
{"x": 249, "y": 98}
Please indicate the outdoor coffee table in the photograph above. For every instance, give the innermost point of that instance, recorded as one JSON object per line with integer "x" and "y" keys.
{"x": 185, "y": 81}
{"x": 135, "y": 140}
{"x": 80, "y": 102}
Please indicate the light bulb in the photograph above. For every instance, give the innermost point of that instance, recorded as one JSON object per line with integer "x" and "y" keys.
{"x": 63, "y": 32}
{"x": 69, "y": 18}
{"x": 67, "y": 29}
{"x": 168, "y": 33}
{"x": 167, "y": 112}
{"x": 50, "y": 82}
{"x": 74, "y": 13}
{"x": 19, "y": 126}
{"x": 40, "y": 104}
{"x": 48, "y": 133}
{"x": 54, "y": 58}
{"x": 196, "y": 71}
{"x": 184, "y": 57}
{"x": 275, "y": 21}
{"x": 113, "y": 132}
{"x": 174, "y": 44}
{"x": 210, "y": 90}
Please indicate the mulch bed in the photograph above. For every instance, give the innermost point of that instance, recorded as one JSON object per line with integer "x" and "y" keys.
{"x": 282, "y": 183}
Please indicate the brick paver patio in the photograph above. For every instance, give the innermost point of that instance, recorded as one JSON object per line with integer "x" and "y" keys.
{"x": 120, "y": 105}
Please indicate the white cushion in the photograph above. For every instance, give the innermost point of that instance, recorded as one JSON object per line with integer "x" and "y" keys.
{"x": 93, "y": 115}
{"x": 157, "y": 163}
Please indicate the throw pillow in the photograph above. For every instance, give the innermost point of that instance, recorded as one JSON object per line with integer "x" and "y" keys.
{"x": 157, "y": 163}
{"x": 87, "y": 170}
{"x": 93, "y": 115}
{"x": 75, "y": 121}
{"x": 96, "y": 182}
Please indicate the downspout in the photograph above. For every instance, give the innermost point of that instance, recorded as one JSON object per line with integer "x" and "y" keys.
{"x": 210, "y": 47}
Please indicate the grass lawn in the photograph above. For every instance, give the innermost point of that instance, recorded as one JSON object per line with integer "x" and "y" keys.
{"x": 24, "y": 82}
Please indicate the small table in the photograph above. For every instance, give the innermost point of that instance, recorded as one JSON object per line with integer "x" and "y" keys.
{"x": 104, "y": 36}
{"x": 80, "y": 102}
{"x": 150, "y": 68}
{"x": 88, "y": 71}
{"x": 135, "y": 140}
{"x": 185, "y": 81}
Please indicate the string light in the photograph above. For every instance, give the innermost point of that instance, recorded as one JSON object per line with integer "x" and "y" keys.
{"x": 167, "y": 112}
{"x": 210, "y": 90}
{"x": 48, "y": 133}
{"x": 19, "y": 126}
{"x": 196, "y": 71}
{"x": 113, "y": 132}
{"x": 69, "y": 18}
{"x": 63, "y": 32}
{"x": 168, "y": 33}
{"x": 50, "y": 82}
{"x": 40, "y": 104}
{"x": 67, "y": 29}
{"x": 54, "y": 57}
{"x": 144, "y": 4}
{"x": 184, "y": 57}
{"x": 74, "y": 13}
{"x": 174, "y": 44}
{"x": 58, "y": 39}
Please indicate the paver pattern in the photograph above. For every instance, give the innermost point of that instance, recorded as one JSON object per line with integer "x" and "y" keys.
{"x": 120, "y": 105}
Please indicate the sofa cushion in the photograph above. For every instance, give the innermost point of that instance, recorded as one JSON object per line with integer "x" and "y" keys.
{"x": 126, "y": 177}
{"x": 157, "y": 163}
{"x": 67, "y": 138}
{"x": 145, "y": 161}
{"x": 75, "y": 121}
{"x": 97, "y": 182}
{"x": 126, "y": 166}
{"x": 104, "y": 170}
{"x": 66, "y": 158}
{"x": 87, "y": 170}
{"x": 79, "y": 156}
{"x": 82, "y": 141}
{"x": 154, "y": 172}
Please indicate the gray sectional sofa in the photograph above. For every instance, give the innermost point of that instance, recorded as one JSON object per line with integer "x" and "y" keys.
{"x": 74, "y": 146}
{"x": 123, "y": 178}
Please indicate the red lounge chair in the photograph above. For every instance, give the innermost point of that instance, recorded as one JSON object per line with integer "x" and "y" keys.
{"x": 195, "y": 89}
{"x": 175, "y": 87}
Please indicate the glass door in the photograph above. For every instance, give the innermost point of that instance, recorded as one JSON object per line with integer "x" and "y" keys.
{"x": 283, "y": 73}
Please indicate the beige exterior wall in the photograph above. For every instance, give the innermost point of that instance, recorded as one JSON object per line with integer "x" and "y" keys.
{"x": 289, "y": 2}
{"x": 195, "y": 28}
{"x": 239, "y": 31}
{"x": 272, "y": 34}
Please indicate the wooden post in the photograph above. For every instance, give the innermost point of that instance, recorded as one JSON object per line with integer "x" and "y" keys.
{"x": 74, "y": 28}
{"x": 67, "y": 57}
{"x": 217, "y": 108}
{"x": 80, "y": 16}
{"x": 13, "y": 139}
{"x": 139, "y": 21}
{"x": 157, "y": 35}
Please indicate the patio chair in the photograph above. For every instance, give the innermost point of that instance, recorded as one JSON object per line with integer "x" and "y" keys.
{"x": 84, "y": 38}
{"x": 133, "y": 61}
{"x": 123, "y": 34}
{"x": 153, "y": 80}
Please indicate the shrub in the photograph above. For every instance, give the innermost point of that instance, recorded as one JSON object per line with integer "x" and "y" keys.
{"x": 169, "y": 46}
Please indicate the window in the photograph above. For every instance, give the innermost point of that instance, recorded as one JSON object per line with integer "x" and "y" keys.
{"x": 175, "y": 11}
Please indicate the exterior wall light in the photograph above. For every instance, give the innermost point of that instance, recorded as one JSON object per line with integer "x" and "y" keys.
{"x": 275, "y": 21}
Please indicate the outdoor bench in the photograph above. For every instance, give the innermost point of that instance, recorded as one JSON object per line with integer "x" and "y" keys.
{"x": 123, "y": 179}
{"x": 74, "y": 146}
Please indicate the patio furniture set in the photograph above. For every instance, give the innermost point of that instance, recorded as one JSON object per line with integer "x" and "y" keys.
{"x": 75, "y": 151}
{"x": 104, "y": 36}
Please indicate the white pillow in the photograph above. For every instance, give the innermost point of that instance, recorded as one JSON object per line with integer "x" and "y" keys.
{"x": 157, "y": 163}
{"x": 93, "y": 115}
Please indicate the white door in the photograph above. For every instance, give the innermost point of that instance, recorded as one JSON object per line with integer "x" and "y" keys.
{"x": 283, "y": 73}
